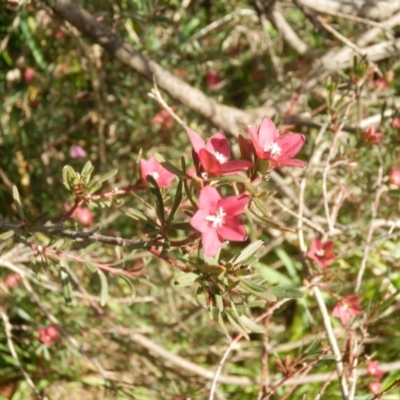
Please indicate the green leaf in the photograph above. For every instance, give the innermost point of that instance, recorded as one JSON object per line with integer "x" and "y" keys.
{"x": 219, "y": 303}
{"x": 6, "y": 235}
{"x": 106, "y": 176}
{"x": 185, "y": 279}
{"x": 261, "y": 207}
{"x": 130, "y": 284}
{"x": 69, "y": 177}
{"x": 91, "y": 267}
{"x": 247, "y": 323}
{"x": 238, "y": 327}
{"x": 257, "y": 290}
{"x": 155, "y": 190}
{"x": 93, "y": 187}
{"x": 231, "y": 178}
{"x": 136, "y": 214}
{"x": 285, "y": 293}
{"x": 169, "y": 167}
{"x": 104, "y": 288}
{"x": 272, "y": 275}
{"x": 200, "y": 297}
{"x": 177, "y": 201}
{"x": 66, "y": 285}
{"x": 247, "y": 252}
{"x": 289, "y": 263}
{"x": 17, "y": 202}
{"x": 87, "y": 171}
{"x": 221, "y": 324}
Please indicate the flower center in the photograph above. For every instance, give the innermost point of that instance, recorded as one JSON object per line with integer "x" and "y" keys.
{"x": 274, "y": 149}
{"x": 217, "y": 219}
{"x": 320, "y": 253}
{"x": 220, "y": 157}
{"x": 155, "y": 175}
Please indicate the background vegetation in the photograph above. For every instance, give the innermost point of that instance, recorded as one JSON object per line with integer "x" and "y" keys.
{"x": 129, "y": 331}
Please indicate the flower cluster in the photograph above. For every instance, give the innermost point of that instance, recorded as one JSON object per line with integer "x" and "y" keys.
{"x": 217, "y": 218}
{"x": 48, "y": 335}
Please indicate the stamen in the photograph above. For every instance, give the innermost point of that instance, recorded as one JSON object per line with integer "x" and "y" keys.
{"x": 221, "y": 158}
{"x": 274, "y": 149}
{"x": 217, "y": 219}
{"x": 320, "y": 253}
{"x": 155, "y": 175}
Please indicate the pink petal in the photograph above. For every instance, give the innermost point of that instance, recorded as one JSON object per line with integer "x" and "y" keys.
{"x": 218, "y": 144}
{"x": 231, "y": 167}
{"x": 196, "y": 140}
{"x": 209, "y": 198}
{"x": 234, "y": 205}
{"x": 232, "y": 229}
{"x": 257, "y": 145}
{"x": 199, "y": 221}
{"x": 267, "y": 133}
{"x": 209, "y": 162}
{"x": 211, "y": 242}
{"x": 290, "y": 144}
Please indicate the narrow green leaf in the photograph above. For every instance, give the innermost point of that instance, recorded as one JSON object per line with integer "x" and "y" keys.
{"x": 169, "y": 167}
{"x": 200, "y": 297}
{"x": 247, "y": 252}
{"x": 257, "y": 290}
{"x": 87, "y": 170}
{"x": 221, "y": 324}
{"x": 130, "y": 284}
{"x": 188, "y": 191}
{"x": 238, "y": 327}
{"x": 261, "y": 207}
{"x": 219, "y": 303}
{"x": 91, "y": 267}
{"x": 231, "y": 178}
{"x": 69, "y": 176}
{"x": 185, "y": 279}
{"x": 247, "y": 323}
{"x": 106, "y": 176}
{"x": 6, "y": 235}
{"x": 17, "y": 202}
{"x": 104, "y": 288}
{"x": 177, "y": 201}
{"x": 136, "y": 214}
{"x": 285, "y": 293}
{"x": 66, "y": 285}
{"x": 155, "y": 190}
{"x": 93, "y": 187}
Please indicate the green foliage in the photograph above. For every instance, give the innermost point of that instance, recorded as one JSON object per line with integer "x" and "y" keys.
{"x": 118, "y": 275}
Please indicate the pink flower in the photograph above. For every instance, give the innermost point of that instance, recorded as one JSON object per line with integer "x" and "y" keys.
{"x": 394, "y": 177}
{"x": 321, "y": 253}
{"x": 373, "y": 369}
{"x": 163, "y": 119}
{"x": 375, "y": 387}
{"x": 381, "y": 83}
{"x": 12, "y": 280}
{"x": 371, "y": 136}
{"x": 29, "y": 74}
{"x": 346, "y": 308}
{"x": 217, "y": 219}
{"x": 48, "y": 335}
{"x": 396, "y": 123}
{"x": 157, "y": 171}
{"x": 212, "y": 79}
{"x": 214, "y": 155}
{"x": 82, "y": 214}
{"x": 77, "y": 152}
{"x": 279, "y": 150}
